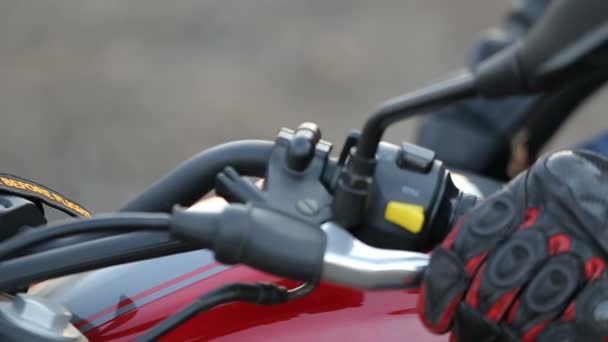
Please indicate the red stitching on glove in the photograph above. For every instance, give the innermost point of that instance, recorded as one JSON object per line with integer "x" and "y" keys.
{"x": 559, "y": 243}
{"x": 474, "y": 263}
{"x": 531, "y": 335}
{"x": 473, "y": 294}
{"x": 530, "y": 218}
{"x": 499, "y": 308}
{"x": 513, "y": 312}
{"x": 570, "y": 312}
{"x": 594, "y": 268}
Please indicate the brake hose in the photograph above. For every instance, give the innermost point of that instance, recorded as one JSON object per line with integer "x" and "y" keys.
{"x": 88, "y": 255}
{"x": 122, "y": 222}
{"x": 195, "y": 177}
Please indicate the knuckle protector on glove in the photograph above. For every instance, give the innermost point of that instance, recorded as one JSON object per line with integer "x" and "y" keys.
{"x": 497, "y": 285}
{"x": 548, "y": 293}
{"x": 576, "y": 187}
{"x": 492, "y": 221}
{"x": 514, "y": 261}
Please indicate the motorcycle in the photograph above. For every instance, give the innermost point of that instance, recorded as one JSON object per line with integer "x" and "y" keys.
{"x": 325, "y": 248}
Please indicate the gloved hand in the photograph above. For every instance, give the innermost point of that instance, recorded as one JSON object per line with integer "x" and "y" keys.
{"x": 528, "y": 263}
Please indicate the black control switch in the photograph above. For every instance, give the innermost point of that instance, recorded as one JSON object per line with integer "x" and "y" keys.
{"x": 415, "y": 157}
{"x": 302, "y": 146}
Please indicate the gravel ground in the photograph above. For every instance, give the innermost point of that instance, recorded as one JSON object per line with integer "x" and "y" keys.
{"x": 99, "y": 98}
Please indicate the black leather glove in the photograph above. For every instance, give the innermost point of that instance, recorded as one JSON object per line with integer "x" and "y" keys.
{"x": 528, "y": 263}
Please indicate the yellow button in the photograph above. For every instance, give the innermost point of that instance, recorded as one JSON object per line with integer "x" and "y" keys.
{"x": 408, "y": 216}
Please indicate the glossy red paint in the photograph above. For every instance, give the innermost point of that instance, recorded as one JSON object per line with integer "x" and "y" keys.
{"x": 133, "y": 299}
{"x": 330, "y": 313}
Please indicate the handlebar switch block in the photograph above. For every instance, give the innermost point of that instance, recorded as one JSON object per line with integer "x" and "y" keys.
{"x": 413, "y": 200}
{"x": 415, "y": 157}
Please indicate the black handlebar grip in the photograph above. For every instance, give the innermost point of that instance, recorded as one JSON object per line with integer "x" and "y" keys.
{"x": 261, "y": 238}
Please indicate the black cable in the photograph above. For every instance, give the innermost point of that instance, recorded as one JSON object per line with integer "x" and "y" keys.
{"x": 89, "y": 255}
{"x": 256, "y": 293}
{"x": 260, "y": 293}
{"x": 301, "y": 291}
{"x": 195, "y": 177}
{"x": 185, "y": 185}
{"x": 123, "y": 222}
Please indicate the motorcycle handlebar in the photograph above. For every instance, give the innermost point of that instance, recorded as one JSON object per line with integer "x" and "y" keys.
{"x": 238, "y": 234}
{"x": 184, "y": 185}
{"x": 329, "y": 253}
{"x": 282, "y": 245}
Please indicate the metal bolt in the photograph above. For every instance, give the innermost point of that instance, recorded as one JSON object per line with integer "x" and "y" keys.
{"x": 308, "y": 207}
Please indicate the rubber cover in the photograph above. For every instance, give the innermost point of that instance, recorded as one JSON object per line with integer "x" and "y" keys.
{"x": 261, "y": 238}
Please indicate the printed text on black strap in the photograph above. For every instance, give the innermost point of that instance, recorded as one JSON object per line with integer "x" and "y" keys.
{"x": 32, "y": 190}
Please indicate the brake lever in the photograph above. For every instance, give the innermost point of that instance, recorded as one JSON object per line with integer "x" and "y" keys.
{"x": 350, "y": 262}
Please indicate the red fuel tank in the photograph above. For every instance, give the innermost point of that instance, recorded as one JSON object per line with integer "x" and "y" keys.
{"x": 120, "y": 303}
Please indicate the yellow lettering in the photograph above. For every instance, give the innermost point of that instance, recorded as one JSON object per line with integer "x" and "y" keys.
{"x": 46, "y": 193}
{"x": 18, "y": 185}
{"x": 59, "y": 199}
{"x": 7, "y": 181}
{"x": 37, "y": 189}
{"x": 69, "y": 204}
{"x": 29, "y": 187}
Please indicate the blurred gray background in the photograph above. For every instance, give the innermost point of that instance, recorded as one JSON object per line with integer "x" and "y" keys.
{"x": 100, "y": 98}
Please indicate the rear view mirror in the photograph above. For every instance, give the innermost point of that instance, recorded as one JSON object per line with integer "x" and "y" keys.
{"x": 568, "y": 33}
